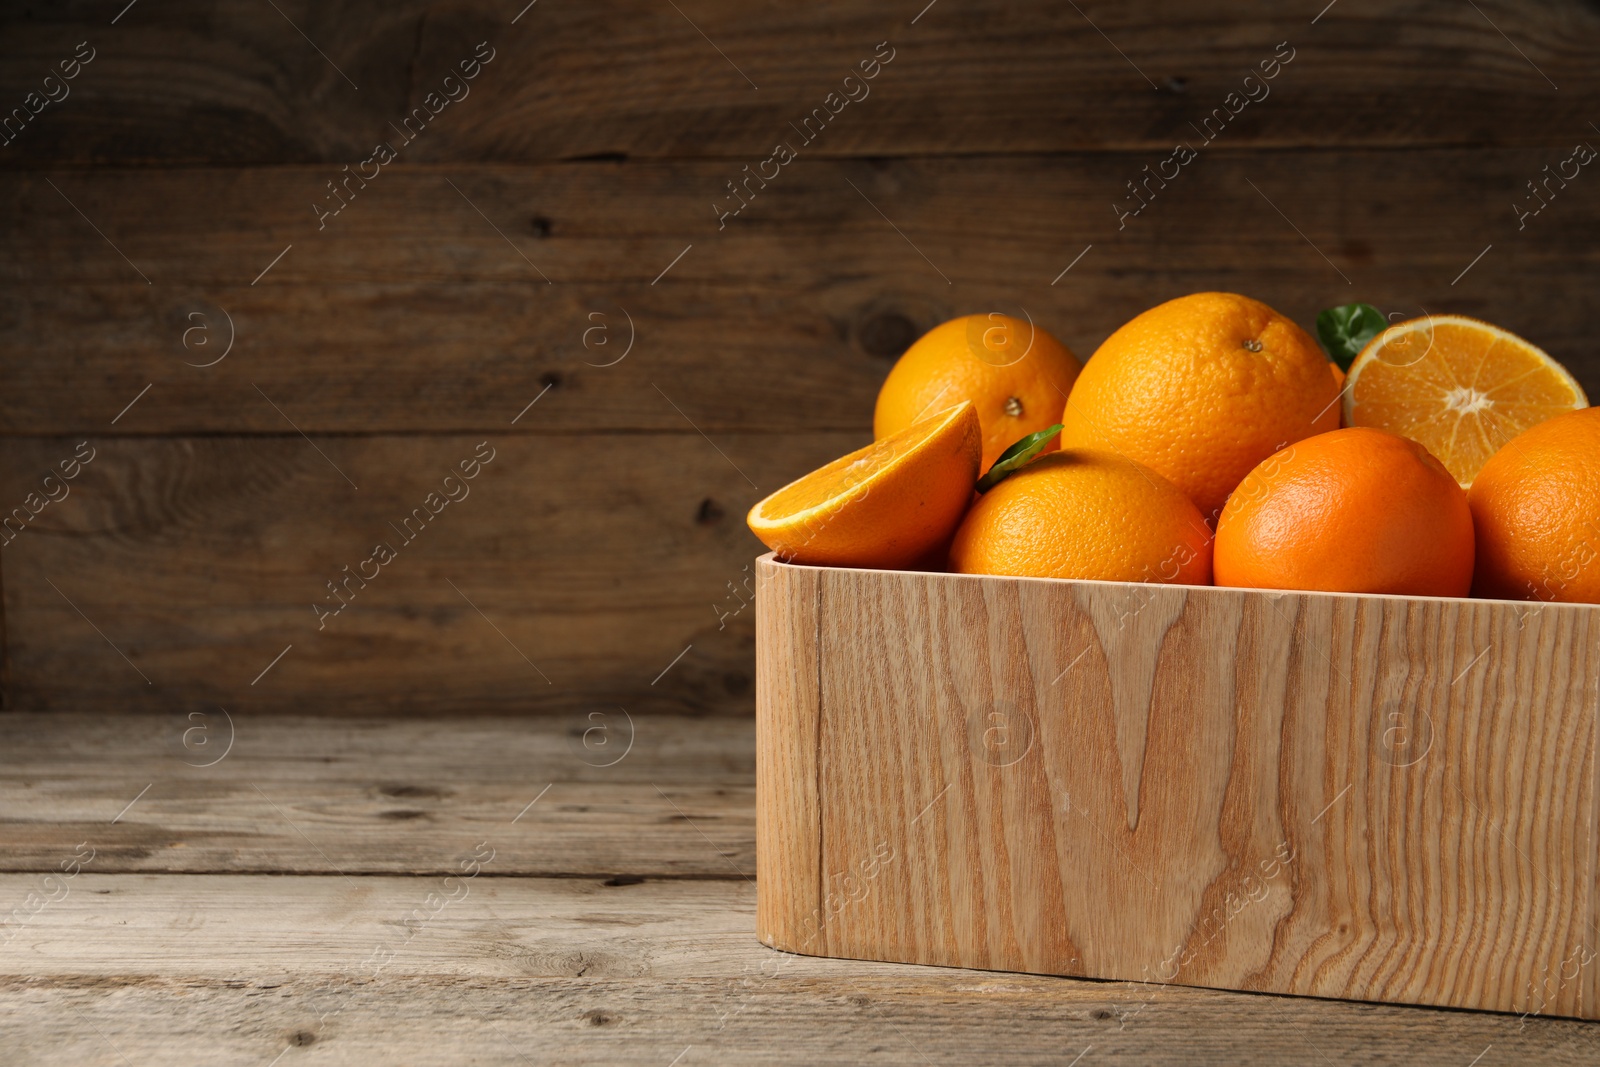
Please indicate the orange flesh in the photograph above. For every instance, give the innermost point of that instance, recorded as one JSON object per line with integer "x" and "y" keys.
{"x": 837, "y": 480}
{"x": 889, "y": 504}
{"x": 1459, "y": 387}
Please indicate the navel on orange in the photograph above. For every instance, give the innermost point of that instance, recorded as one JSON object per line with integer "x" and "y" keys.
{"x": 1015, "y": 373}
{"x": 1201, "y": 389}
{"x": 886, "y": 505}
{"x": 1460, "y": 387}
{"x": 1085, "y": 514}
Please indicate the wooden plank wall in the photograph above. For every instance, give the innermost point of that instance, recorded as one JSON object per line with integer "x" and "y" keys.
{"x": 571, "y": 204}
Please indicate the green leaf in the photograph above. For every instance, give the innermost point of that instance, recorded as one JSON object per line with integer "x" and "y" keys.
{"x": 1345, "y": 331}
{"x": 1016, "y": 456}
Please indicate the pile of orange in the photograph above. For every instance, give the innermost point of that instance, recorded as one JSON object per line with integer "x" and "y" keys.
{"x": 1202, "y": 443}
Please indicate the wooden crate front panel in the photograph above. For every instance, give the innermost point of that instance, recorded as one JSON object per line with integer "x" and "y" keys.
{"x": 1360, "y": 797}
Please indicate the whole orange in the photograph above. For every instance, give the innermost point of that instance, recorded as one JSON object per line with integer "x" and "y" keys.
{"x": 1015, "y": 374}
{"x": 1351, "y": 511}
{"x": 1085, "y": 514}
{"x": 1201, "y": 389}
{"x": 1536, "y": 506}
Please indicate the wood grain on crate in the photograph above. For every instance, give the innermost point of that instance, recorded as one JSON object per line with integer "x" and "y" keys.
{"x": 299, "y": 960}
{"x": 787, "y": 778}
{"x": 242, "y": 85}
{"x": 1361, "y": 797}
{"x": 410, "y": 313}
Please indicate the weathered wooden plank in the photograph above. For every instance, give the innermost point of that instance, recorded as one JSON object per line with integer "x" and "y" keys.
{"x": 745, "y": 1019}
{"x": 596, "y": 794}
{"x": 250, "y": 84}
{"x": 409, "y": 311}
{"x": 201, "y": 968}
{"x": 456, "y": 357}
{"x": 573, "y": 575}
{"x": 466, "y": 920}
{"x": 614, "y": 224}
{"x": 1368, "y": 797}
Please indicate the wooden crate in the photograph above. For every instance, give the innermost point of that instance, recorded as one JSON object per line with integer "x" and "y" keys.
{"x": 1363, "y": 797}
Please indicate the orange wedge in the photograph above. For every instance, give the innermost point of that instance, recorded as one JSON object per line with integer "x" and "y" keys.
{"x": 886, "y": 505}
{"x": 1459, "y": 387}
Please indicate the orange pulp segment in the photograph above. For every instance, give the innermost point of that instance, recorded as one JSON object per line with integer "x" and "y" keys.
{"x": 1458, "y": 386}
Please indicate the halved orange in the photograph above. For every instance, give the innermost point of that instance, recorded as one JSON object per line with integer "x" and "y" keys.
{"x": 1458, "y": 386}
{"x": 886, "y": 505}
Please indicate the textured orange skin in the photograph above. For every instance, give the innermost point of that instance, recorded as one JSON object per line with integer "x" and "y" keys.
{"x": 884, "y": 512}
{"x": 1177, "y": 390}
{"x": 1085, "y": 514}
{"x": 1536, "y": 508}
{"x": 962, "y": 360}
{"x": 1352, "y": 511}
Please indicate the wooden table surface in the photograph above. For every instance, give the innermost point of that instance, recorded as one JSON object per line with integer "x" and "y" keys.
{"x": 504, "y": 891}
